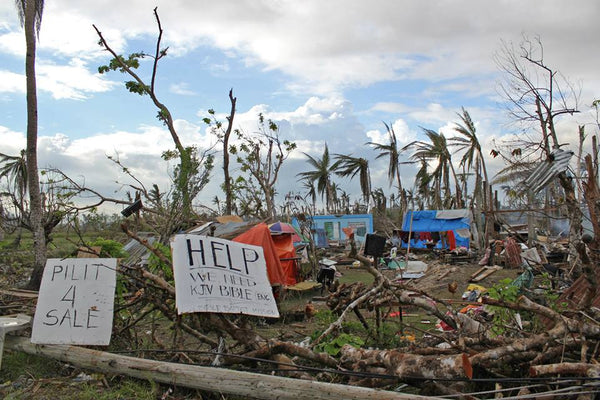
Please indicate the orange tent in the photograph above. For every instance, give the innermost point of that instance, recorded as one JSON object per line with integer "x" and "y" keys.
{"x": 287, "y": 256}
{"x": 260, "y": 235}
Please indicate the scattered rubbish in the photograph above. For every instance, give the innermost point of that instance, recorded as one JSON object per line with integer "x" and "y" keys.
{"x": 410, "y": 275}
{"x": 83, "y": 377}
{"x": 473, "y": 292}
{"x": 416, "y": 267}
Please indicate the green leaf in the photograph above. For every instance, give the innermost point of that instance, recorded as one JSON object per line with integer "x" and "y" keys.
{"x": 136, "y": 87}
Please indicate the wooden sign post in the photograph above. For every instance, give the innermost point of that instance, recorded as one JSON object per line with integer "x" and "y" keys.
{"x": 75, "y": 304}
{"x": 221, "y": 276}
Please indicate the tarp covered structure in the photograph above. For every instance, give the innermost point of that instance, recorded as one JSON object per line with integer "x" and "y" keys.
{"x": 260, "y": 235}
{"x": 283, "y": 228}
{"x": 286, "y": 252}
{"x": 453, "y": 225}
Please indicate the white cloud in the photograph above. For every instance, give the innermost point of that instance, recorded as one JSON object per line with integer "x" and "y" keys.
{"x": 433, "y": 114}
{"x": 323, "y": 48}
{"x": 367, "y": 43}
{"x": 13, "y": 43}
{"x": 72, "y": 81}
{"x": 12, "y": 142}
{"x": 181, "y": 88}
{"x": 11, "y": 82}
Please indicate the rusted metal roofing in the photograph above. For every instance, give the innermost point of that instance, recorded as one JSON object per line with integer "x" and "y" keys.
{"x": 557, "y": 162}
{"x": 575, "y": 295}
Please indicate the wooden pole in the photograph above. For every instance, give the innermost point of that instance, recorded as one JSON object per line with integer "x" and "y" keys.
{"x": 409, "y": 238}
{"x": 218, "y": 380}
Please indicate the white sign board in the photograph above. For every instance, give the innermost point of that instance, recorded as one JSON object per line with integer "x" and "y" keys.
{"x": 221, "y": 276}
{"x": 75, "y": 303}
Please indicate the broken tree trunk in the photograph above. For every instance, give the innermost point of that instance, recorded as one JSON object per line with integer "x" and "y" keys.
{"x": 405, "y": 365}
{"x": 218, "y": 380}
{"x": 577, "y": 369}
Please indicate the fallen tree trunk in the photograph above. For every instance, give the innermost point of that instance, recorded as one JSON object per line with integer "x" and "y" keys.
{"x": 218, "y": 380}
{"x": 406, "y": 365}
{"x": 274, "y": 347}
{"x": 577, "y": 369}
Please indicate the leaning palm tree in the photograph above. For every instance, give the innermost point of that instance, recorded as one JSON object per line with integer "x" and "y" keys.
{"x": 321, "y": 174}
{"x": 351, "y": 166}
{"x": 472, "y": 158}
{"x": 30, "y": 14}
{"x": 468, "y": 141}
{"x": 437, "y": 150}
{"x": 391, "y": 151}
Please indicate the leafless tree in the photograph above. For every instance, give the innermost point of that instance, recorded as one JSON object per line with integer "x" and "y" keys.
{"x": 537, "y": 96}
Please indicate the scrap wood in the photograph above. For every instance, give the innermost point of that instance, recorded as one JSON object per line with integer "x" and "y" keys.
{"x": 22, "y": 293}
{"x": 303, "y": 286}
{"x": 483, "y": 273}
{"x": 444, "y": 274}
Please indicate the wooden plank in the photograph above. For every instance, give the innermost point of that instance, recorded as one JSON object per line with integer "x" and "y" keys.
{"x": 474, "y": 274}
{"x": 484, "y": 273}
{"x": 444, "y": 274}
{"x": 22, "y": 293}
{"x": 219, "y": 380}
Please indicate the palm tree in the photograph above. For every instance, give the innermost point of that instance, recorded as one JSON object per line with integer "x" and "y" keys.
{"x": 351, "y": 166}
{"x": 390, "y": 150}
{"x": 437, "y": 150}
{"x": 469, "y": 142}
{"x": 321, "y": 174}
{"x": 14, "y": 170}
{"x": 310, "y": 192}
{"x": 473, "y": 159}
{"x": 336, "y": 200}
{"x": 30, "y": 14}
{"x": 423, "y": 181}
{"x": 379, "y": 200}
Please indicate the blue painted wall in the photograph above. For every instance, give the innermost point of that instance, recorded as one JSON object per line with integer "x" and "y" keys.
{"x": 333, "y": 224}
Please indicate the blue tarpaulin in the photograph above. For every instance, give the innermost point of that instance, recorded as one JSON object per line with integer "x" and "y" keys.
{"x": 457, "y": 221}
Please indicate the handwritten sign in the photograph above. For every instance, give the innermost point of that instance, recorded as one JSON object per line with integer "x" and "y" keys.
{"x": 75, "y": 303}
{"x": 217, "y": 275}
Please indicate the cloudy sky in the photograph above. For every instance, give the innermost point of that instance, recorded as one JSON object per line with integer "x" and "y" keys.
{"x": 327, "y": 71}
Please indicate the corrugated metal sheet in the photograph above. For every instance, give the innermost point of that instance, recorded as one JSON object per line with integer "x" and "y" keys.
{"x": 138, "y": 253}
{"x": 544, "y": 173}
{"x": 227, "y": 230}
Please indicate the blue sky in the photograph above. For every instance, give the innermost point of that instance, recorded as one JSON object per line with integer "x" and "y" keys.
{"x": 328, "y": 72}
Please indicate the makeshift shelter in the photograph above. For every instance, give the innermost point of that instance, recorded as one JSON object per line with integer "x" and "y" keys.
{"x": 260, "y": 235}
{"x": 447, "y": 229}
{"x": 283, "y": 228}
{"x": 286, "y": 252}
